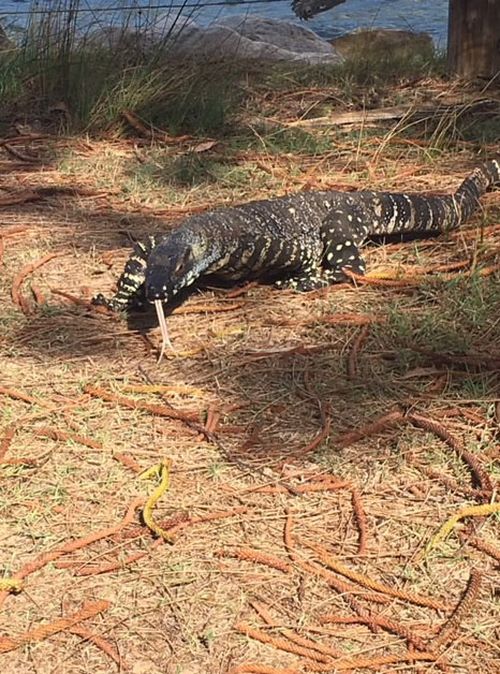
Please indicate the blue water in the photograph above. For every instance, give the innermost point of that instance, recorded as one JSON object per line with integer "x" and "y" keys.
{"x": 418, "y": 15}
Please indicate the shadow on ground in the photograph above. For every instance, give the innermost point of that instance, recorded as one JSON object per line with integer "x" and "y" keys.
{"x": 278, "y": 367}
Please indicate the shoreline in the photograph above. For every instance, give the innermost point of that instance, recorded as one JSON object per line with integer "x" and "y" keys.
{"x": 329, "y": 25}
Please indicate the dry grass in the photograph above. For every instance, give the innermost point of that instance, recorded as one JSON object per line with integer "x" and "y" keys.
{"x": 280, "y": 379}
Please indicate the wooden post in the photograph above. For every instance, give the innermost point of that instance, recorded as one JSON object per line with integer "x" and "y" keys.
{"x": 474, "y": 38}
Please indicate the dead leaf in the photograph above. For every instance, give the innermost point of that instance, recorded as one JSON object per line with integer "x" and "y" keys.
{"x": 205, "y": 146}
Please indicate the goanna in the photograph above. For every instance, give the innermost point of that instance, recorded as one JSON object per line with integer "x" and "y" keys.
{"x": 302, "y": 241}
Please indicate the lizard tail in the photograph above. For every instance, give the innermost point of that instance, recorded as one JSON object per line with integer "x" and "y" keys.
{"x": 474, "y": 186}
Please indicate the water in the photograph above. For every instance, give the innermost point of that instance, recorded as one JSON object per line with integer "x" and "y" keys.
{"x": 419, "y": 15}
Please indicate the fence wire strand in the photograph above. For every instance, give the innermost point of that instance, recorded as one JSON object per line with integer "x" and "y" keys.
{"x": 137, "y": 8}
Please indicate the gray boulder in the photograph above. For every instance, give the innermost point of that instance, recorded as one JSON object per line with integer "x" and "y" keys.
{"x": 257, "y": 39}
{"x": 245, "y": 38}
{"x": 278, "y": 32}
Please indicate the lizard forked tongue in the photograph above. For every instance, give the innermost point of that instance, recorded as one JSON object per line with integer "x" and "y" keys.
{"x": 163, "y": 328}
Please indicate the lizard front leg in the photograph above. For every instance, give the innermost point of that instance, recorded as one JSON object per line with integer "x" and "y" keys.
{"x": 309, "y": 278}
{"x": 340, "y": 247}
{"x": 309, "y": 275}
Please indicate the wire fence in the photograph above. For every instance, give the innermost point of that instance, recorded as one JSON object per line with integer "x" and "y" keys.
{"x": 156, "y": 16}
{"x": 199, "y": 4}
{"x": 163, "y": 17}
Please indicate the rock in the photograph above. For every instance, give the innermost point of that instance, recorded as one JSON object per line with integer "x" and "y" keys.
{"x": 246, "y": 38}
{"x": 284, "y": 34}
{"x": 5, "y": 42}
{"x": 142, "y": 42}
{"x": 166, "y": 25}
{"x": 379, "y": 42}
{"x": 258, "y": 39}
{"x": 120, "y": 40}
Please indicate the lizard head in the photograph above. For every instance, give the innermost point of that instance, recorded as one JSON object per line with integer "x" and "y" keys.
{"x": 176, "y": 263}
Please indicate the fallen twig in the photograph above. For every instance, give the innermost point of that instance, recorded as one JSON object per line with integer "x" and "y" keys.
{"x": 449, "y": 630}
{"x": 353, "y": 117}
{"x": 360, "y": 515}
{"x": 371, "y": 428}
{"x": 357, "y": 345}
{"x": 380, "y": 620}
{"x": 309, "y": 487}
{"x": 331, "y": 319}
{"x": 478, "y": 472}
{"x": 451, "y": 483}
{"x": 301, "y": 349}
{"x": 242, "y": 290}
{"x": 257, "y": 668}
{"x": 209, "y": 517}
{"x": 280, "y": 643}
{"x": 63, "y": 436}
{"x": 346, "y": 589}
{"x": 10, "y": 432}
{"x": 207, "y": 307}
{"x": 318, "y": 439}
{"x": 159, "y": 410}
{"x": 481, "y": 545}
{"x": 18, "y": 154}
{"x": 23, "y": 461}
{"x": 475, "y": 232}
{"x": 374, "y": 663}
{"x": 106, "y": 567}
{"x": 484, "y": 271}
{"x": 25, "y": 138}
{"x": 181, "y": 389}
{"x": 100, "y": 642}
{"x": 350, "y": 319}
{"x": 487, "y": 360}
{"x": 89, "y": 610}
{"x": 372, "y": 584}
{"x": 72, "y": 298}
{"x": 77, "y": 544}
{"x": 264, "y": 613}
{"x": 251, "y": 555}
{"x": 20, "y": 198}
{"x": 19, "y": 278}
{"x": 20, "y": 395}
{"x": 127, "y": 461}
{"x": 15, "y": 229}
{"x": 212, "y": 421}
{"x": 38, "y": 295}
{"x": 360, "y": 279}
{"x": 310, "y": 643}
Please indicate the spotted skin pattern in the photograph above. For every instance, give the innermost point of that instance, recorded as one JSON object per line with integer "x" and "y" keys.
{"x": 302, "y": 241}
